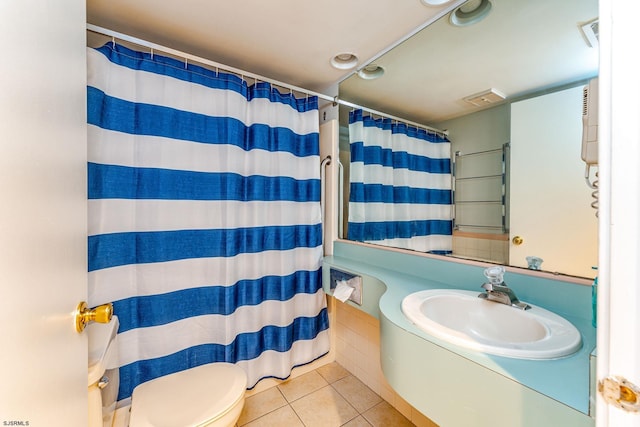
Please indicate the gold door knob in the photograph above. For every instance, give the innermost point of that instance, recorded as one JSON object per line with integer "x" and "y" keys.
{"x": 517, "y": 240}
{"x": 84, "y": 315}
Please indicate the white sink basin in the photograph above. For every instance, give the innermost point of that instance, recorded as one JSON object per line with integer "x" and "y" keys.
{"x": 461, "y": 318}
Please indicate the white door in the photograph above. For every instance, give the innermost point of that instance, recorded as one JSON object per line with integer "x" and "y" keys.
{"x": 549, "y": 198}
{"x": 43, "y": 361}
{"x": 619, "y": 155}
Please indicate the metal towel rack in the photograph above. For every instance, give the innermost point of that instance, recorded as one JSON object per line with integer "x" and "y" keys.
{"x": 479, "y": 189}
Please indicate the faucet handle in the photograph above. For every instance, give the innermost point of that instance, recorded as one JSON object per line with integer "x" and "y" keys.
{"x": 495, "y": 274}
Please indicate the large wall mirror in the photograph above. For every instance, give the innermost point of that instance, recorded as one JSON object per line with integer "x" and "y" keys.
{"x": 523, "y": 195}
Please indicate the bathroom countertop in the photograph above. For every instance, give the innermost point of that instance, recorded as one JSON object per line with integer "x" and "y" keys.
{"x": 565, "y": 380}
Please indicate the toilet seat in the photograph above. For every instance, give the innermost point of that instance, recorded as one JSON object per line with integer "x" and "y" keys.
{"x": 192, "y": 397}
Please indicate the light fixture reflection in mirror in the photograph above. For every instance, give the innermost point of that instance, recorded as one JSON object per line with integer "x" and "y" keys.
{"x": 434, "y": 2}
{"x": 371, "y": 72}
{"x": 471, "y": 12}
{"x": 438, "y": 67}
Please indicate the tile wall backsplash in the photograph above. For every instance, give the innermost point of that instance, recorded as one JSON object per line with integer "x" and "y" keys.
{"x": 481, "y": 248}
{"x": 357, "y": 346}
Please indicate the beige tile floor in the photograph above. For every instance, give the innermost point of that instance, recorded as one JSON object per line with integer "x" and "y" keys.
{"x": 327, "y": 397}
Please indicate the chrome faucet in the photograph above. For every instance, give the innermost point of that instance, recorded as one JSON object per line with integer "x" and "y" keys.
{"x": 498, "y": 291}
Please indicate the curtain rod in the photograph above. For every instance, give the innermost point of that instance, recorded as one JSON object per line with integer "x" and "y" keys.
{"x": 389, "y": 116}
{"x": 187, "y": 56}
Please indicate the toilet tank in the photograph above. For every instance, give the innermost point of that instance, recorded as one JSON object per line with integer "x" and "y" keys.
{"x": 103, "y": 372}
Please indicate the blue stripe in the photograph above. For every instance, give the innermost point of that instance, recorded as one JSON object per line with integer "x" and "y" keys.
{"x": 124, "y": 182}
{"x": 112, "y": 250}
{"x": 155, "y": 310}
{"x": 138, "y": 247}
{"x": 395, "y": 127}
{"x": 376, "y": 155}
{"x": 246, "y": 346}
{"x": 440, "y": 252}
{"x": 133, "y": 118}
{"x": 370, "y": 231}
{"x": 378, "y": 193}
{"x": 166, "y": 66}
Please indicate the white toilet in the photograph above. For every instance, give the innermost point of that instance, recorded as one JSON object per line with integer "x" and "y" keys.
{"x": 207, "y": 395}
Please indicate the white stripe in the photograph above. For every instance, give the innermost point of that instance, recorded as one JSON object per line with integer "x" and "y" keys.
{"x": 420, "y": 243}
{"x": 152, "y": 342}
{"x": 420, "y": 147}
{"x": 375, "y": 137}
{"x": 124, "y": 215}
{"x": 118, "y": 148}
{"x": 117, "y": 283}
{"x": 380, "y": 212}
{"x": 279, "y": 364}
{"x": 386, "y": 175}
{"x": 151, "y": 88}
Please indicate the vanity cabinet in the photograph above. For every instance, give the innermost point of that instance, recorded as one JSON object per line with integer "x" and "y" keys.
{"x": 455, "y": 391}
{"x": 454, "y": 386}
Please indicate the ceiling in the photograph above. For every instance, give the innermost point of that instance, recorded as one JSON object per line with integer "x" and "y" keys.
{"x": 291, "y": 41}
{"x": 521, "y": 47}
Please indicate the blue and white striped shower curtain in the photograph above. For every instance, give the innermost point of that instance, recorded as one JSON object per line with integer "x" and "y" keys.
{"x": 204, "y": 218}
{"x": 400, "y": 192}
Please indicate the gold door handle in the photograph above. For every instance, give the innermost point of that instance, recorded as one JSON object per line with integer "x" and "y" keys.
{"x": 517, "y": 240}
{"x": 619, "y": 392}
{"x": 84, "y": 315}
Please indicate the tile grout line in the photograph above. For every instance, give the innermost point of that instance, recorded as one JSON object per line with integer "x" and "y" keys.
{"x": 358, "y": 413}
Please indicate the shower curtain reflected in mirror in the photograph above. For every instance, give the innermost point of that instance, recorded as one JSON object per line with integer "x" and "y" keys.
{"x": 400, "y": 185}
{"x": 204, "y": 216}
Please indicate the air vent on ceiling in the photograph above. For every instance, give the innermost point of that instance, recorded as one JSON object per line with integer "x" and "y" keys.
{"x": 591, "y": 32}
{"x": 487, "y": 97}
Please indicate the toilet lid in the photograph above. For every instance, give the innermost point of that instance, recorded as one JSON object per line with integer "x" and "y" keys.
{"x": 190, "y": 397}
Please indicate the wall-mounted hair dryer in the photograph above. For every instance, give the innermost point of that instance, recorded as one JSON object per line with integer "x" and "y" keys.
{"x": 590, "y": 136}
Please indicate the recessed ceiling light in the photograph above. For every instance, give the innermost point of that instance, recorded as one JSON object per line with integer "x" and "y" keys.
{"x": 344, "y": 61}
{"x": 370, "y": 72}
{"x": 470, "y": 12}
{"x": 434, "y": 2}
